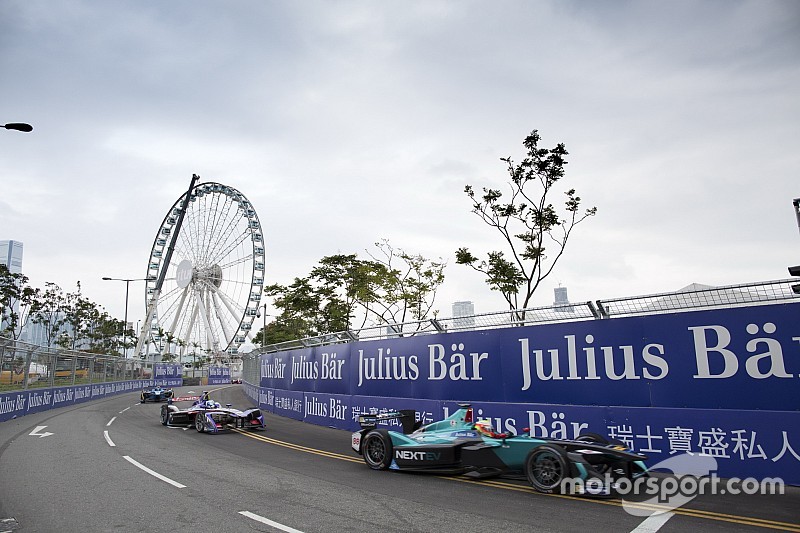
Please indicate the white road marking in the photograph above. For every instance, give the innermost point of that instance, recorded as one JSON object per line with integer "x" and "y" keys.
{"x": 108, "y": 439}
{"x": 153, "y": 473}
{"x": 653, "y": 523}
{"x": 269, "y": 522}
{"x": 10, "y": 523}
{"x": 36, "y": 431}
{"x": 124, "y": 410}
{"x": 111, "y": 421}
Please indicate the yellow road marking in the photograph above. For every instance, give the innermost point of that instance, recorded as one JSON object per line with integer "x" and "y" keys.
{"x": 298, "y": 447}
{"x": 696, "y": 513}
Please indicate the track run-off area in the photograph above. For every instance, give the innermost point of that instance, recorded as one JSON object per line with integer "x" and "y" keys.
{"x": 110, "y": 465}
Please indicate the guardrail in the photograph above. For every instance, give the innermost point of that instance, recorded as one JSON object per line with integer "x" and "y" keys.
{"x": 691, "y": 299}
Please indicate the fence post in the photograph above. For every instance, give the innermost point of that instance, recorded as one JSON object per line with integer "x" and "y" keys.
{"x": 25, "y": 379}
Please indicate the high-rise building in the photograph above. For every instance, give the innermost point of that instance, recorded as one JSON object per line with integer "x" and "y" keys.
{"x": 562, "y": 300}
{"x": 11, "y": 256}
{"x": 465, "y": 310}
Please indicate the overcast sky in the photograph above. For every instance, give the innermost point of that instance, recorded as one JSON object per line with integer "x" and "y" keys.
{"x": 347, "y": 122}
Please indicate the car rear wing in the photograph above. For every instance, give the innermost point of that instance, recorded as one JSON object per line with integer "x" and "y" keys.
{"x": 407, "y": 417}
{"x": 183, "y": 399}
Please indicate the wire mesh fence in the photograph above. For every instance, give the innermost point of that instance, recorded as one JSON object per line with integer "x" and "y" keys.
{"x": 698, "y": 297}
{"x": 692, "y": 298}
{"x": 26, "y": 366}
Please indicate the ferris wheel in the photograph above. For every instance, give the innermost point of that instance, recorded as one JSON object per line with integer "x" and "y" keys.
{"x": 211, "y": 288}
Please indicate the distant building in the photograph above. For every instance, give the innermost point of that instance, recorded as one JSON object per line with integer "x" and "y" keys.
{"x": 464, "y": 314}
{"x": 562, "y": 300}
{"x": 11, "y": 256}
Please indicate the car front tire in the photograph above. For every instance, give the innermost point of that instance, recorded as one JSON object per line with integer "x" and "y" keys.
{"x": 377, "y": 449}
{"x": 546, "y": 467}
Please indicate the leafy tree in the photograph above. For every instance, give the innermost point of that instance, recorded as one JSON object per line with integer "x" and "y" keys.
{"x": 48, "y": 310}
{"x": 349, "y": 284}
{"x": 67, "y": 320}
{"x": 76, "y": 323}
{"x": 170, "y": 346}
{"x": 15, "y": 300}
{"x": 342, "y": 290}
{"x": 82, "y": 317}
{"x": 533, "y": 231}
{"x": 306, "y": 311}
{"x": 195, "y": 347}
{"x": 103, "y": 334}
{"x": 407, "y": 290}
{"x": 272, "y": 333}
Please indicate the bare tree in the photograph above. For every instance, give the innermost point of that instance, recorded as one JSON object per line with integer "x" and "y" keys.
{"x": 533, "y": 231}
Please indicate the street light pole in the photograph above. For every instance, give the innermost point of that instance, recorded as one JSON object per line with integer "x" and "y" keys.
{"x": 264, "y": 334}
{"x": 263, "y": 331}
{"x": 125, "y": 323}
{"x": 19, "y": 126}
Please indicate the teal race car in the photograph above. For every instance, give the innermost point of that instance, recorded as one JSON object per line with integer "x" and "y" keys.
{"x": 460, "y": 445}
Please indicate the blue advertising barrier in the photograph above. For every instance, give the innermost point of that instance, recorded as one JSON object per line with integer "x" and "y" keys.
{"x": 720, "y": 383}
{"x": 168, "y": 374}
{"x": 219, "y": 375}
{"x": 20, "y": 403}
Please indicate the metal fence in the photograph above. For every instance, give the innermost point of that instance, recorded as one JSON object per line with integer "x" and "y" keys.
{"x": 25, "y": 366}
{"x": 690, "y": 299}
{"x": 700, "y": 297}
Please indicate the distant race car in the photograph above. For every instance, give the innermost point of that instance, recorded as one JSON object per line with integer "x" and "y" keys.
{"x": 590, "y": 464}
{"x": 156, "y": 394}
{"x": 206, "y": 415}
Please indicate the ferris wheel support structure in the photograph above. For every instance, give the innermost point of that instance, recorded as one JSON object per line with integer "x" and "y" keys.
{"x": 151, "y": 308}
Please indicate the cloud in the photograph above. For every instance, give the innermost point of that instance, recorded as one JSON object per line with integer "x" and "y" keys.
{"x": 344, "y": 123}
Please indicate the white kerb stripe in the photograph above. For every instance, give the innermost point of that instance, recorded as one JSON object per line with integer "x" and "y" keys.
{"x": 108, "y": 439}
{"x": 153, "y": 473}
{"x": 269, "y": 522}
{"x": 653, "y": 523}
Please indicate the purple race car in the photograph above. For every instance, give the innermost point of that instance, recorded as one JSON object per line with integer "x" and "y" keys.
{"x": 206, "y": 415}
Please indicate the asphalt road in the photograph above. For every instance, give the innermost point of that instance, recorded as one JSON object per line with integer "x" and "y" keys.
{"x": 110, "y": 465}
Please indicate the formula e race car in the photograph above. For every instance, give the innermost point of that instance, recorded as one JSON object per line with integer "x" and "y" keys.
{"x": 156, "y": 394}
{"x": 206, "y": 415}
{"x": 460, "y": 445}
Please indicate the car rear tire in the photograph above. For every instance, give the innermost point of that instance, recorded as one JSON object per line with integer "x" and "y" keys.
{"x": 599, "y": 439}
{"x": 592, "y": 437}
{"x": 199, "y": 422}
{"x": 164, "y": 415}
{"x": 546, "y": 467}
{"x": 377, "y": 449}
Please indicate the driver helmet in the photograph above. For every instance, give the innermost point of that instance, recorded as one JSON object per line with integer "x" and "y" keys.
{"x": 484, "y": 427}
